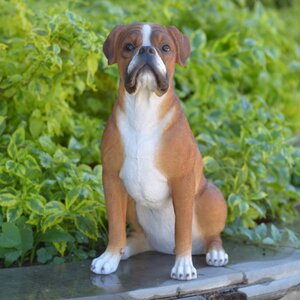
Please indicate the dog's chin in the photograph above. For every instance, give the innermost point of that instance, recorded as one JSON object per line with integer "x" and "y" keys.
{"x": 145, "y": 78}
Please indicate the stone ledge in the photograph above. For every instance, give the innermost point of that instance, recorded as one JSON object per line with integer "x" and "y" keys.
{"x": 146, "y": 276}
{"x": 272, "y": 289}
{"x": 270, "y": 270}
{"x": 174, "y": 288}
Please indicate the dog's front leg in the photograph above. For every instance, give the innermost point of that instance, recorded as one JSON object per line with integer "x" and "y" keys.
{"x": 183, "y": 200}
{"x": 116, "y": 203}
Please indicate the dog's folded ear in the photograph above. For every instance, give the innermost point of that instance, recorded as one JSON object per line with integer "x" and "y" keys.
{"x": 183, "y": 48}
{"x": 110, "y": 44}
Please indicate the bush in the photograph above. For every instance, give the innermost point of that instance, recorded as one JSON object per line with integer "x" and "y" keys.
{"x": 239, "y": 90}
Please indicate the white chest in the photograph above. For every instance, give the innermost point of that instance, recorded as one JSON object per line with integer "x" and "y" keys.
{"x": 141, "y": 130}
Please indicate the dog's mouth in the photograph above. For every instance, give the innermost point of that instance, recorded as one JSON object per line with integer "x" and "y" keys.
{"x": 160, "y": 84}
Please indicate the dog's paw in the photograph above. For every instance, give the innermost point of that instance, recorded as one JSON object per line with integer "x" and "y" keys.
{"x": 135, "y": 244}
{"x": 106, "y": 263}
{"x": 217, "y": 257}
{"x": 183, "y": 269}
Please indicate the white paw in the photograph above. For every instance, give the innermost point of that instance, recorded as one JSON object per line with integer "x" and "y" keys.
{"x": 217, "y": 257}
{"x": 183, "y": 269}
{"x": 127, "y": 252}
{"x": 106, "y": 263}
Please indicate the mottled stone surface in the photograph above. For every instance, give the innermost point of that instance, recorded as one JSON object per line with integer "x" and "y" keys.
{"x": 147, "y": 275}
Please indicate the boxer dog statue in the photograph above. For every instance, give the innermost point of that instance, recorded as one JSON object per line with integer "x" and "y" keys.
{"x": 152, "y": 168}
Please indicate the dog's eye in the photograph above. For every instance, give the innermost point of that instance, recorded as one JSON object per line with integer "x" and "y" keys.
{"x": 129, "y": 47}
{"x": 166, "y": 48}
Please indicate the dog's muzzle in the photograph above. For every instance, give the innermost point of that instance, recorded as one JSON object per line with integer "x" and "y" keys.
{"x": 146, "y": 61}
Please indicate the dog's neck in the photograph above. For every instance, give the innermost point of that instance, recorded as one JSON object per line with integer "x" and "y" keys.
{"x": 142, "y": 109}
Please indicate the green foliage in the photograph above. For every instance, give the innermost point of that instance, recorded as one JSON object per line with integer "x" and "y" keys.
{"x": 49, "y": 175}
{"x": 16, "y": 240}
{"x": 239, "y": 90}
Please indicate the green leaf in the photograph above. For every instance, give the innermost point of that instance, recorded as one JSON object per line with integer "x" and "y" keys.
{"x": 32, "y": 168}
{"x": 11, "y": 166}
{"x": 259, "y": 208}
{"x": 36, "y": 203}
{"x": 247, "y": 233}
{"x": 58, "y": 260}
{"x": 3, "y": 46}
{"x": 34, "y": 219}
{"x": 13, "y": 213}
{"x": 15, "y": 168}
{"x": 55, "y": 235}
{"x": 2, "y": 124}
{"x": 87, "y": 226}
{"x": 8, "y": 200}
{"x": 292, "y": 236}
{"x": 241, "y": 176}
{"x": 12, "y": 256}
{"x": 36, "y": 126}
{"x": 51, "y": 220}
{"x": 31, "y": 164}
{"x": 234, "y": 200}
{"x": 261, "y": 229}
{"x": 47, "y": 144}
{"x": 17, "y": 139}
{"x": 45, "y": 254}
{"x": 269, "y": 241}
{"x": 276, "y": 236}
{"x": 243, "y": 207}
{"x": 72, "y": 196}
{"x": 26, "y": 239}
{"x": 198, "y": 40}
{"x": 10, "y": 236}
{"x": 45, "y": 160}
{"x": 258, "y": 196}
{"x": 10, "y": 81}
{"x": 84, "y": 207}
{"x": 5, "y": 179}
{"x": 60, "y": 247}
{"x": 55, "y": 207}
{"x": 12, "y": 149}
{"x": 92, "y": 66}
{"x": 210, "y": 164}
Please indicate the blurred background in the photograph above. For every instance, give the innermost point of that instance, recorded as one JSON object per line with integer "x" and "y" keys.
{"x": 240, "y": 90}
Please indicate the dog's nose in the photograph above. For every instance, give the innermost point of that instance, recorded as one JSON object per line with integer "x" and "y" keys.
{"x": 147, "y": 50}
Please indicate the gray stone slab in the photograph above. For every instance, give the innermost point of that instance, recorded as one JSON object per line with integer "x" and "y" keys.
{"x": 271, "y": 290}
{"x": 243, "y": 252}
{"x": 267, "y": 270}
{"x": 142, "y": 275}
{"x": 75, "y": 279}
{"x": 293, "y": 294}
{"x": 208, "y": 279}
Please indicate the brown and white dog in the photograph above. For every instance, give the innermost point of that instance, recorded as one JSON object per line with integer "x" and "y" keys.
{"x": 152, "y": 168}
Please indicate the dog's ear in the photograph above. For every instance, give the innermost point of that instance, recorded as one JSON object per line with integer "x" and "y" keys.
{"x": 183, "y": 48}
{"x": 110, "y": 44}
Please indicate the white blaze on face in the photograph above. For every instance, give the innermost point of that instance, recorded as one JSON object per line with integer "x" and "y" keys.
{"x": 148, "y": 77}
{"x": 146, "y": 32}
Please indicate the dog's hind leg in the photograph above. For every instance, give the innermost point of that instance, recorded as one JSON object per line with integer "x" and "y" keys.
{"x": 137, "y": 241}
{"x": 215, "y": 253}
{"x": 211, "y": 213}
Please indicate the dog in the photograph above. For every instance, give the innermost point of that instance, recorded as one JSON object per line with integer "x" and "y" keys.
{"x": 152, "y": 168}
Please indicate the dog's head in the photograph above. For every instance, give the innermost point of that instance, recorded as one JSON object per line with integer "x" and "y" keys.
{"x": 146, "y": 54}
